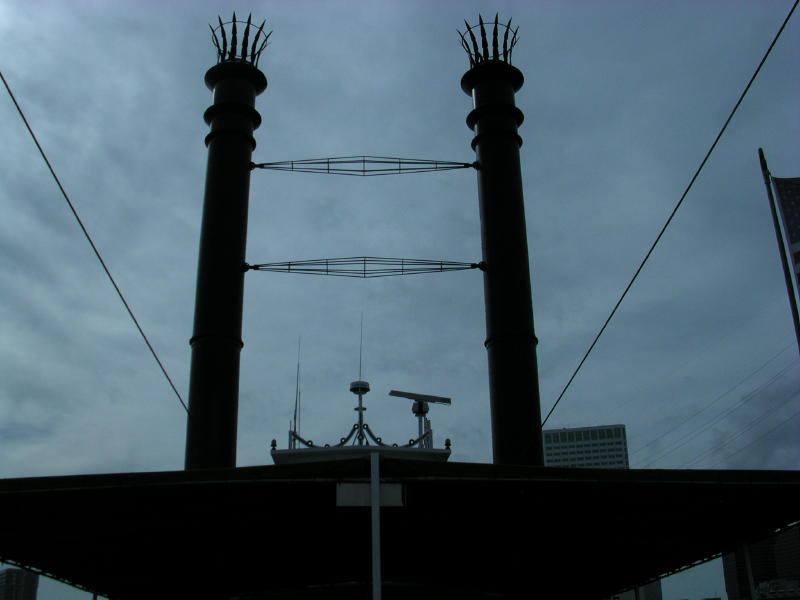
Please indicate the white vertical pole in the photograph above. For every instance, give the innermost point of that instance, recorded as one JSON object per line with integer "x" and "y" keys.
{"x": 375, "y": 509}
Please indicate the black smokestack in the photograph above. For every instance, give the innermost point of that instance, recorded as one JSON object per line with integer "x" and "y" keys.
{"x": 217, "y": 338}
{"x": 510, "y": 340}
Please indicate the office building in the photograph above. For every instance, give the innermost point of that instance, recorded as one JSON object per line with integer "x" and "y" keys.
{"x": 18, "y": 584}
{"x": 603, "y": 447}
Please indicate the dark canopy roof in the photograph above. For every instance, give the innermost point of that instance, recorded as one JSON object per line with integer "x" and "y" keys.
{"x": 465, "y": 530}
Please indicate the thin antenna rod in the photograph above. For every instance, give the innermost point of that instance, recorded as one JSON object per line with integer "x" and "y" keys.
{"x": 297, "y": 390}
{"x": 361, "y": 345}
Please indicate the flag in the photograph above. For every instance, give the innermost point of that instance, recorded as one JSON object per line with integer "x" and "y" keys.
{"x": 787, "y": 191}
{"x": 787, "y": 213}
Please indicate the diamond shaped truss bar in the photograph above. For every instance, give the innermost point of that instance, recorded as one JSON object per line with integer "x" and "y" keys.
{"x": 365, "y": 267}
{"x": 363, "y": 166}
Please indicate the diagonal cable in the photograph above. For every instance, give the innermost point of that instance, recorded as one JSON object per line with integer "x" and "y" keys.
{"x": 751, "y": 395}
{"x": 674, "y": 211}
{"x": 794, "y": 415}
{"x": 91, "y": 243}
{"x": 750, "y": 425}
{"x": 710, "y": 404}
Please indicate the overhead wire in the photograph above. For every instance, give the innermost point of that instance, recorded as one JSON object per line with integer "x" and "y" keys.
{"x": 91, "y": 242}
{"x": 714, "y": 401}
{"x": 674, "y": 211}
{"x": 794, "y": 415}
{"x": 793, "y": 395}
{"x": 745, "y": 399}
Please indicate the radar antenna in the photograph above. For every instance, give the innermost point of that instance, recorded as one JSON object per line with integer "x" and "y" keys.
{"x": 420, "y": 409}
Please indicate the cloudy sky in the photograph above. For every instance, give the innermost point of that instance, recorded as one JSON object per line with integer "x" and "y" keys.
{"x": 622, "y": 100}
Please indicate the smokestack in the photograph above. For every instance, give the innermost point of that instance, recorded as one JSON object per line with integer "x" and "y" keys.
{"x": 510, "y": 340}
{"x": 217, "y": 337}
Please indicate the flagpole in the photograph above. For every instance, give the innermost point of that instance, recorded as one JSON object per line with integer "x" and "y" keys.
{"x": 781, "y": 246}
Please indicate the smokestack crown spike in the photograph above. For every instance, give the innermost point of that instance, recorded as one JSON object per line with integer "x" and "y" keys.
{"x": 483, "y": 51}
{"x": 228, "y": 31}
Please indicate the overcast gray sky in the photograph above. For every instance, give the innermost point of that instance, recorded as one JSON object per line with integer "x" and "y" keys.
{"x": 622, "y": 100}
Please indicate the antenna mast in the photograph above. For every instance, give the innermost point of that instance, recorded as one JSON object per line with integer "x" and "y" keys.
{"x": 361, "y": 344}
{"x": 296, "y": 419}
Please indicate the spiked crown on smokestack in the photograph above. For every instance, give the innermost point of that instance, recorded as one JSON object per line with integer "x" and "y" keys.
{"x": 482, "y": 54}
{"x": 228, "y": 51}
